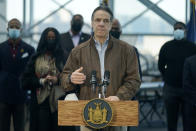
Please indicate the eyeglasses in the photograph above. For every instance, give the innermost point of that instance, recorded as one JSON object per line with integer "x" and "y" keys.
{"x": 105, "y": 21}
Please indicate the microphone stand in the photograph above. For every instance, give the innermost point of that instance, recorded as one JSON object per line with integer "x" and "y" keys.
{"x": 102, "y": 87}
{"x": 93, "y": 81}
{"x": 99, "y": 92}
{"x": 106, "y": 82}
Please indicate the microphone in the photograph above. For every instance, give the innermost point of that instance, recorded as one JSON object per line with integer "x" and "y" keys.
{"x": 93, "y": 81}
{"x": 106, "y": 82}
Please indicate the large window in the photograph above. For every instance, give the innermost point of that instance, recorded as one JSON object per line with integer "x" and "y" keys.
{"x": 143, "y": 20}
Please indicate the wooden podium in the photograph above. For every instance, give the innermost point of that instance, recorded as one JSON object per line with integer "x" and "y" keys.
{"x": 125, "y": 113}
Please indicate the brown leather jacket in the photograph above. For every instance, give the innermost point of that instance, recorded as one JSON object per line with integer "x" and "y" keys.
{"x": 120, "y": 60}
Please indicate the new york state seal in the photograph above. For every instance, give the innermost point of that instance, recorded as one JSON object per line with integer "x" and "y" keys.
{"x": 97, "y": 113}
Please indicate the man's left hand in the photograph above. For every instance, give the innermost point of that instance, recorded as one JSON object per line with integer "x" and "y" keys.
{"x": 112, "y": 98}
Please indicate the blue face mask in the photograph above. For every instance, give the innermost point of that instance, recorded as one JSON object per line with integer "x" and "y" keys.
{"x": 178, "y": 34}
{"x": 14, "y": 33}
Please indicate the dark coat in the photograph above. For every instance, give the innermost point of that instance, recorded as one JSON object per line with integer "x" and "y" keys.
{"x": 67, "y": 43}
{"x": 189, "y": 80}
{"x": 171, "y": 60}
{"x": 10, "y": 71}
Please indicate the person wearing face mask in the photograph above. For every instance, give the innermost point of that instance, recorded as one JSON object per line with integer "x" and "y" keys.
{"x": 74, "y": 36}
{"x": 42, "y": 78}
{"x": 14, "y": 55}
{"x": 171, "y": 61}
{"x": 116, "y": 32}
{"x": 116, "y": 29}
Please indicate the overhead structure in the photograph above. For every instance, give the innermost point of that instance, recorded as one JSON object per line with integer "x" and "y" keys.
{"x": 28, "y": 28}
{"x": 159, "y": 11}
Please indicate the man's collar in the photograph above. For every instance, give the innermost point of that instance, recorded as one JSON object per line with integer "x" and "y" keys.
{"x": 97, "y": 42}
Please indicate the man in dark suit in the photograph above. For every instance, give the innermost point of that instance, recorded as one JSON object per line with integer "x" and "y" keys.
{"x": 74, "y": 36}
{"x": 189, "y": 88}
{"x": 14, "y": 55}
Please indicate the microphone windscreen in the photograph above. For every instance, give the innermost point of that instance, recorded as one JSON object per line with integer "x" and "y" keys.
{"x": 93, "y": 73}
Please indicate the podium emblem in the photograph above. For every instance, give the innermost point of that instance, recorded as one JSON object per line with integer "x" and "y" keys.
{"x": 97, "y": 113}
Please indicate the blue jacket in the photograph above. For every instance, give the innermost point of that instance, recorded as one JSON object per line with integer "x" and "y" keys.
{"x": 10, "y": 71}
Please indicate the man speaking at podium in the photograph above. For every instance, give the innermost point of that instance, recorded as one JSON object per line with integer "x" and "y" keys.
{"x": 101, "y": 53}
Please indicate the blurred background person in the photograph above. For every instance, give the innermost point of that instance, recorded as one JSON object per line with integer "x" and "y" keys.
{"x": 42, "y": 78}
{"x": 189, "y": 88}
{"x": 116, "y": 31}
{"x": 171, "y": 60}
{"x": 74, "y": 36}
{"x": 14, "y": 55}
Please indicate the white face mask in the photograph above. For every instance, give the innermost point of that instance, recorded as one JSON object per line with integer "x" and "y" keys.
{"x": 178, "y": 34}
{"x": 14, "y": 33}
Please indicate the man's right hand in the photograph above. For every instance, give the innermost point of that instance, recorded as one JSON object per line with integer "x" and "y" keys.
{"x": 77, "y": 77}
